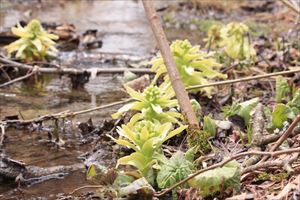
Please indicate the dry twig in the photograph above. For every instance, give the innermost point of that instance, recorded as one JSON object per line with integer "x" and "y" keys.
{"x": 293, "y": 7}
{"x": 283, "y": 136}
{"x": 61, "y": 70}
{"x": 33, "y": 71}
{"x": 274, "y": 163}
{"x": 84, "y": 187}
{"x": 64, "y": 114}
{"x": 258, "y": 124}
{"x": 294, "y": 185}
{"x": 2, "y": 127}
{"x": 181, "y": 94}
{"x": 250, "y": 78}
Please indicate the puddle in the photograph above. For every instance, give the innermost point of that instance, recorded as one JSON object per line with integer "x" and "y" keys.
{"x": 49, "y": 190}
{"x": 33, "y": 149}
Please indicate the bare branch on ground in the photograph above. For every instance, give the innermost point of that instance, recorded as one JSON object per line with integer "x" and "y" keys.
{"x": 284, "y": 136}
{"x": 250, "y": 78}
{"x": 33, "y": 71}
{"x": 64, "y": 114}
{"x": 62, "y": 70}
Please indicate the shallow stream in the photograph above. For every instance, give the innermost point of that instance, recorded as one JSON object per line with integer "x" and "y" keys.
{"x": 123, "y": 29}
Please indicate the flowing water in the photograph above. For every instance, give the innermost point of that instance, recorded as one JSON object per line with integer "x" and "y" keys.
{"x": 123, "y": 29}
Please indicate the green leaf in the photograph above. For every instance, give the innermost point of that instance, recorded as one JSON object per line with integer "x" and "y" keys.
{"x": 218, "y": 179}
{"x": 280, "y": 114}
{"x": 194, "y": 66}
{"x": 127, "y": 133}
{"x": 190, "y": 154}
{"x": 233, "y": 38}
{"x": 246, "y": 108}
{"x": 294, "y": 104}
{"x": 197, "y": 108}
{"x": 282, "y": 89}
{"x": 136, "y": 159}
{"x": 123, "y": 109}
{"x": 149, "y": 147}
{"x": 242, "y": 109}
{"x": 176, "y": 169}
{"x": 144, "y": 134}
{"x": 157, "y": 108}
{"x": 175, "y": 132}
{"x": 38, "y": 44}
{"x": 21, "y": 50}
{"x": 34, "y": 43}
{"x": 209, "y": 126}
{"x": 134, "y": 94}
{"x": 91, "y": 172}
{"x": 122, "y": 180}
{"x": 146, "y": 138}
{"x": 126, "y": 143}
{"x": 152, "y": 103}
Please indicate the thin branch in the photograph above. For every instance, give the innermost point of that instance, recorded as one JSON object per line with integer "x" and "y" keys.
{"x": 161, "y": 39}
{"x": 2, "y": 127}
{"x": 291, "y": 6}
{"x": 5, "y": 73}
{"x": 267, "y": 139}
{"x": 243, "y": 79}
{"x": 141, "y": 71}
{"x": 283, "y": 136}
{"x": 34, "y": 70}
{"x": 257, "y": 132}
{"x": 278, "y": 163}
{"x": 84, "y": 187}
{"x": 62, "y": 70}
{"x": 64, "y": 114}
{"x": 221, "y": 164}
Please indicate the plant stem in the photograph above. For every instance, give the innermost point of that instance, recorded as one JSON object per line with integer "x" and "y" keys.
{"x": 243, "y": 79}
{"x": 161, "y": 39}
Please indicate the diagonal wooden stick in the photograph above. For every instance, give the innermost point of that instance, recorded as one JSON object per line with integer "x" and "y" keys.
{"x": 181, "y": 93}
{"x": 63, "y": 114}
{"x": 283, "y": 137}
{"x": 293, "y": 7}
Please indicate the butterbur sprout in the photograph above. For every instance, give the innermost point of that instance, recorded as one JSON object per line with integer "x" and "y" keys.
{"x": 34, "y": 43}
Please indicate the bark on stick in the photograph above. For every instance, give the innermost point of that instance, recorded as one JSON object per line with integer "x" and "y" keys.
{"x": 161, "y": 39}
